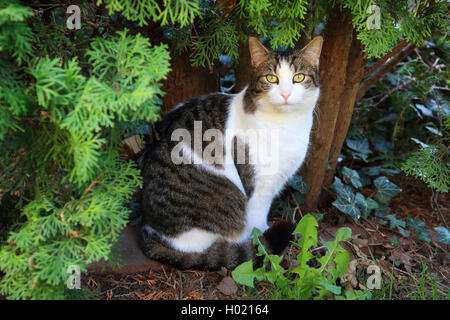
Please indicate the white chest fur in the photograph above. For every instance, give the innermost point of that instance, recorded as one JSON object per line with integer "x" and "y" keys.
{"x": 278, "y": 142}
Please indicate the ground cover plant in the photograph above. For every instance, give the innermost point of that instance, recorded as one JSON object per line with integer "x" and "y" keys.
{"x": 373, "y": 191}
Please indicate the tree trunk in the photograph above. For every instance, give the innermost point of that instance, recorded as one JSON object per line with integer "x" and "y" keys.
{"x": 356, "y": 62}
{"x": 242, "y": 70}
{"x": 338, "y": 36}
{"x": 185, "y": 81}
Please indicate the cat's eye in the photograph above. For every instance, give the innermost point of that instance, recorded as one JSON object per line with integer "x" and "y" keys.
{"x": 272, "y": 78}
{"x": 299, "y": 77}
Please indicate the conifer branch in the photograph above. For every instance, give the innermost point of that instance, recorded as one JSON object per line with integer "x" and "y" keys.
{"x": 365, "y": 72}
{"x": 383, "y": 69}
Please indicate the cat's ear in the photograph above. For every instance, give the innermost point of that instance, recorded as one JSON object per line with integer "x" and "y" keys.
{"x": 311, "y": 52}
{"x": 258, "y": 52}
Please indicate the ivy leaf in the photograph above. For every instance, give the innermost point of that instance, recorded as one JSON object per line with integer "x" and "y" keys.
{"x": 300, "y": 198}
{"x": 419, "y": 229}
{"x": 353, "y": 177}
{"x": 391, "y": 172}
{"x": 395, "y": 222}
{"x": 298, "y": 184}
{"x": 386, "y": 190}
{"x": 381, "y": 211}
{"x": 365, "y": 204}
{"x": 371, "y": 171}
{"x": 340, "y": 188}
{"x": 403, "y": 232}
{"x": 337, "y": 185}
{"x": 346, "y": 203}
{"x": 360, "y": 145}
{"x": 399, "y": 224}
{"x": 359, "y": 148}
{"x": 444, "y": 235}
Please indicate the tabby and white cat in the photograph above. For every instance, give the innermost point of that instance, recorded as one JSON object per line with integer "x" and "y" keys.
{"x": 201, "y": 215}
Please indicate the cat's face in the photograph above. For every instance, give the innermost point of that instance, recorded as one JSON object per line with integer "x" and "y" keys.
{"x": 283, "y": 82}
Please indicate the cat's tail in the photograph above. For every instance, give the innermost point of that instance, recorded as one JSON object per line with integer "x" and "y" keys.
{"x": 221, "y": 253}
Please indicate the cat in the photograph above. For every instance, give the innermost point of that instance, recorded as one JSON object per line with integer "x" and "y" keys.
{"x": 198, "y": 214}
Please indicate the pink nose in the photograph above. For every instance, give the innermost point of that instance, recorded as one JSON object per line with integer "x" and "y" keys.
{"x": 285, "y": 95}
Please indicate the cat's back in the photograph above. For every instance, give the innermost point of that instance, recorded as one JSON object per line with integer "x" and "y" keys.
{"x": 204, "y": 112}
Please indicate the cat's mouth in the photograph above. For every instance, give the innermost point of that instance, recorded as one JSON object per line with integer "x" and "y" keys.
{"x": 287, "y": 107}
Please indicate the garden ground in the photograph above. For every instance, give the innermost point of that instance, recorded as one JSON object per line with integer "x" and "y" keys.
{"x": 411, "y": 268}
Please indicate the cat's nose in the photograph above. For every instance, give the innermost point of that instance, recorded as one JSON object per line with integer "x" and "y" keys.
{"x": 285, "y": 96}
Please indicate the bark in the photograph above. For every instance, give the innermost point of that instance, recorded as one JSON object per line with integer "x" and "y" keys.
{"x": 242, "y": 70}
{"x": 185, "y": 81}
{"x": 338, "y": 35}
{"x": 356, "y": 63}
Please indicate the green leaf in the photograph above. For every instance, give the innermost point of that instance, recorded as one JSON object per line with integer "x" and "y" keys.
{"x": 360, "y": 145}
{"x": 337, "y": 184}
{"x": 307, "y": 227}
{"x": 395, "y": 242}
{"x": 342, "y": 259}
{"x": 399, "y": 224}
{"x": 244, "y": 274}
{"x": 381, "y": 211}
{"x": 352, "y": 176}
{"x": 395, "y": 222}
{"x": 346, "y": 203}
{"x": 403, "y": 232}
{"x": 386, "y": 190}
{"x": 371, "y": 171}
{"x": 419, "y": 229}
{"x": 366, "y": 204}
{"x": 444, "y": 235}
{"x": 330, "y": 287}
{"x": 298, "y": 184}
{"x": 343, "y": 234}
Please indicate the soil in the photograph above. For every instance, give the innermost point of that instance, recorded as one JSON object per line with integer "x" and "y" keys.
{"x": 401, "y": 259}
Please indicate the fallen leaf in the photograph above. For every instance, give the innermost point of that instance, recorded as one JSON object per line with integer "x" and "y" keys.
{"x": 227, "y": 286}
{"x": 223, "y": 271}
{"x": 397, "y": 254}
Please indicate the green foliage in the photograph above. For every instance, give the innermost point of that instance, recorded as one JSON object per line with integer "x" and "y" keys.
{"x": 211, "y": 28}
{"x": 410, "y": 20}
{"x": 61, "y": 136}
{"x": 356, "y": 204}
{"x": 15, "y": 35}
{"x": 219, "y": 39}
{"x": 430, "y": 164}
{"x": 68, "y": 98}
{"x": 386, "y": 190}
{"x": 419, "y": 229}
{"x": 384, "y": 135}
{"x": 444, "y": 235}
{"x": 292, "y": 197}
{"x": 301, "y": 281}
{"x": 282, "y": 21}
{"x": 182, "y": 12}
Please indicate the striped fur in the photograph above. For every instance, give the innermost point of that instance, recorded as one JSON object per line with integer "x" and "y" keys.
{"x": 201, "y": 215}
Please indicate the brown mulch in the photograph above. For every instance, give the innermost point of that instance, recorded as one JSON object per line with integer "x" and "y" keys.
{"x": 370, "y": 241}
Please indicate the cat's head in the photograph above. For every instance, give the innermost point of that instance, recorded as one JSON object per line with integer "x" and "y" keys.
{"x": 283, "y": 82}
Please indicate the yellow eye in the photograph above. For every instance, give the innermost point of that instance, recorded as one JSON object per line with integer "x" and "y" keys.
{"x": 299, "y": 77}
{"x": 272, "y": 78}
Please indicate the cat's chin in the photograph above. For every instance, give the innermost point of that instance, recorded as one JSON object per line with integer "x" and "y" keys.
{"x": 289, "y": 107}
